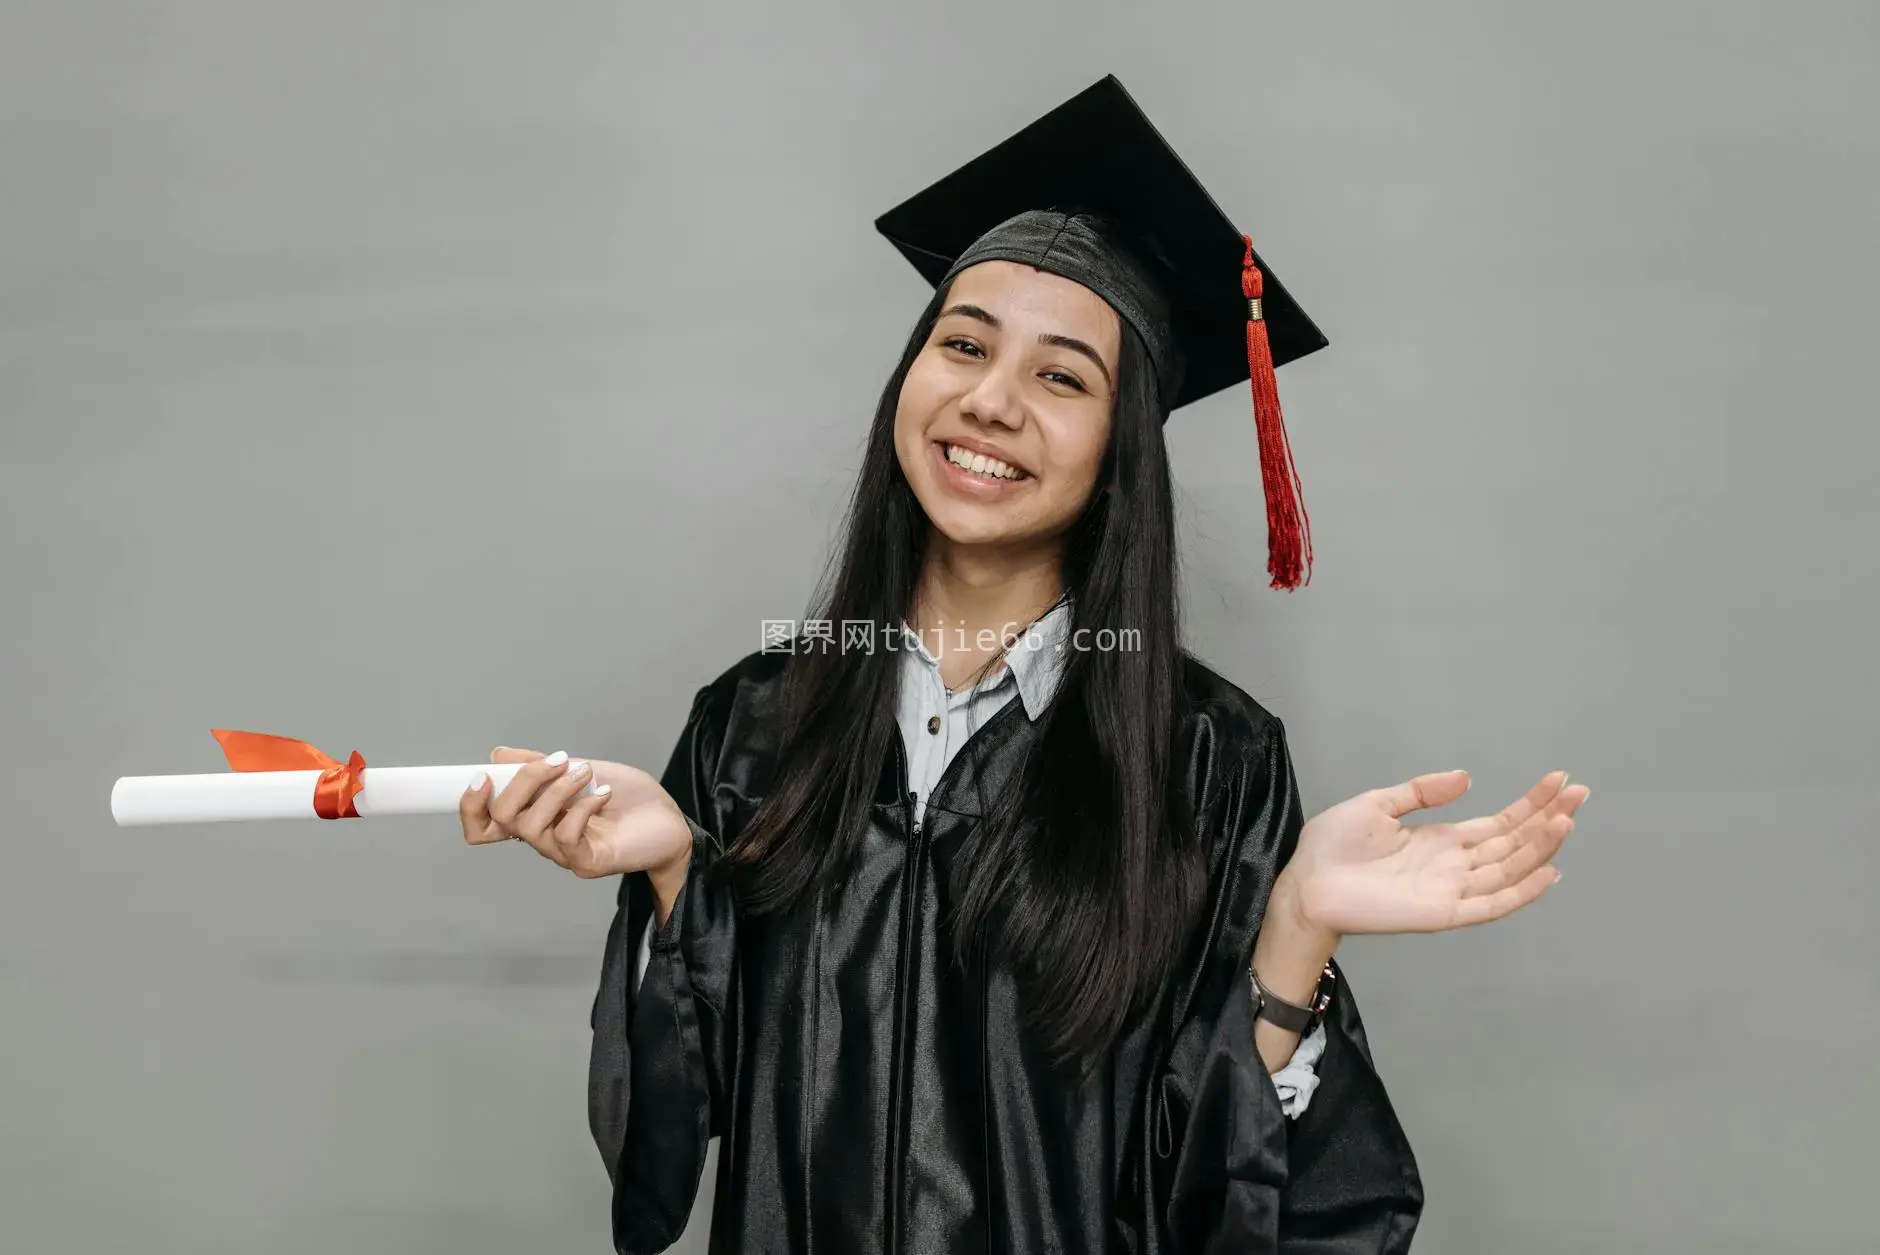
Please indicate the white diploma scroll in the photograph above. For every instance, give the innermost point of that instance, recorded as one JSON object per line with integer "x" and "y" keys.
{"x": 237, "y": 795}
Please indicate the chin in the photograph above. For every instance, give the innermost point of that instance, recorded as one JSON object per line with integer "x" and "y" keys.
{"x": 976, "y": 532}
{"x": 983, "y": 525}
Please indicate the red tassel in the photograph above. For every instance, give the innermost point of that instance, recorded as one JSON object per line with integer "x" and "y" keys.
{"x": 1288, "y": 530}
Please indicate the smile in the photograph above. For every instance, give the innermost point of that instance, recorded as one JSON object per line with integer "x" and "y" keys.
{"x": 966, "y": 466}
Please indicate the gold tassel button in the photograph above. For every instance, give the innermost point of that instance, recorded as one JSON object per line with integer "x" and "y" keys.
{"x": 1253, "y": 309}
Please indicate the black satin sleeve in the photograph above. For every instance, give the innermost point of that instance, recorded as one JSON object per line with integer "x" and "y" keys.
{"x": 663, "y": 1052}
{"x": 1233, "y": 1173}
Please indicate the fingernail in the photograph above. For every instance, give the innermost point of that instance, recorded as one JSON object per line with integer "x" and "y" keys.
{"x": 557, "y": 758}
{"x": 578, "y": 769}
{"x": 1556, "y": 875}
{"x": 603, "y": 790}
{"x": 478, "y": 782}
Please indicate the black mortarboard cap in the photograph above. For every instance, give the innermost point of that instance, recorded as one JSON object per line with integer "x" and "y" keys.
{"x": 1187, "y": 281}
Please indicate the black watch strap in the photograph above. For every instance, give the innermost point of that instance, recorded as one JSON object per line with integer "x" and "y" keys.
{"x": 1291, "y": 1016}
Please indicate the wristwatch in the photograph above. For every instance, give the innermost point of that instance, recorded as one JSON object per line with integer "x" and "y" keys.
{"x": 1290, "y": 1015}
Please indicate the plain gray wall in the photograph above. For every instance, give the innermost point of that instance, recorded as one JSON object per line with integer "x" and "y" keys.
{"x": 416, "y": 378}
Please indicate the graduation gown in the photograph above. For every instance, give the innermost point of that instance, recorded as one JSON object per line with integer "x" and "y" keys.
{"x": 873, "y": 1095}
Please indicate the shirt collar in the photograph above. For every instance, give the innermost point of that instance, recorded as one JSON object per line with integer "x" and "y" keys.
{"x": 1035, "y": 660}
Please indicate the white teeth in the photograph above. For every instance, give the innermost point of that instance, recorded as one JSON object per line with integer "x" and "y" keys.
{"x": 980, "y": 464}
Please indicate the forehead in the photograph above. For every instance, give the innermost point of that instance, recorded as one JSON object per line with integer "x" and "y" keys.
{"x": 1013, "y": 291}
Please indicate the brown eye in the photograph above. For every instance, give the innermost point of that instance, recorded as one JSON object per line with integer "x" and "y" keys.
{"x": 1068, "y": 381}
{"x": 960, "y": 345}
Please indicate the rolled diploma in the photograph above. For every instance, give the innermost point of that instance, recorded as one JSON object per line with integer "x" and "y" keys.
{"x": 235, "y": 795}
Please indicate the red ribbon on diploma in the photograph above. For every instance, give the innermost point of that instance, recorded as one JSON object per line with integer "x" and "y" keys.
{"x": 333, "y": 792}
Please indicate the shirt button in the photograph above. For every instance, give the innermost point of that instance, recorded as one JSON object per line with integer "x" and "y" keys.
{"x": 933, "y": 723}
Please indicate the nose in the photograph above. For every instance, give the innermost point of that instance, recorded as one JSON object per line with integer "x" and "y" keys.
{"x": 993, "y": 399}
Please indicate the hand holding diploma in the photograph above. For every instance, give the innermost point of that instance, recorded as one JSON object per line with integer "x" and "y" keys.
{"x": 593, "y": 818}
{"x": 626, "y": 823}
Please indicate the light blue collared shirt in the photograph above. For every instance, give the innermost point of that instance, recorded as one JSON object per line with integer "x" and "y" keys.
{"x": 935, "y": 722}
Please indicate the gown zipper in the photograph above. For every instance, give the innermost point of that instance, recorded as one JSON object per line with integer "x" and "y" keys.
{"x": 903, "y": 1038}
{"x": 897, "y": 1099}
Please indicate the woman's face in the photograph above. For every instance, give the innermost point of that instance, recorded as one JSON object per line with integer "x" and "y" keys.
{"x": 1020, "y": 369}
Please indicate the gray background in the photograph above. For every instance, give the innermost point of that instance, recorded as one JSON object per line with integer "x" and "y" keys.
{"x": 420, "y": 377}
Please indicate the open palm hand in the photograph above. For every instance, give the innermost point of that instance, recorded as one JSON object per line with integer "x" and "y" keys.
{"x": 1357, "y": 869}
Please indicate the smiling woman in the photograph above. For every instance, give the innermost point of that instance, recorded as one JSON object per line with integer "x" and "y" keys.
{"x": 1027, "y": 946}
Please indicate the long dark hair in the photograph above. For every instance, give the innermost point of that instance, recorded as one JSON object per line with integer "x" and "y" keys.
{"x": 1082, "y": 877}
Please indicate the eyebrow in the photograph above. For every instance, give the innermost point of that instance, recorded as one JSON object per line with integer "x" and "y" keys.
{"x": 1051, "y": 339}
